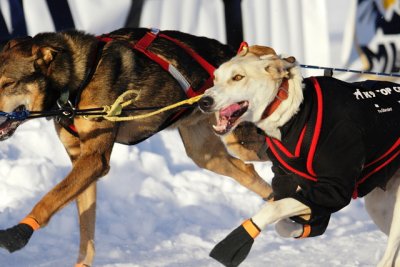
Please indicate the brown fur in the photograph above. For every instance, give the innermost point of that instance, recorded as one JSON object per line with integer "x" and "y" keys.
{"x": 34, "y": 71}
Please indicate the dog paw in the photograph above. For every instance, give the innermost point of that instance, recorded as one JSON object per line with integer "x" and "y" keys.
{"x": 16, "y": 237}
{"x": 288, "y": 228}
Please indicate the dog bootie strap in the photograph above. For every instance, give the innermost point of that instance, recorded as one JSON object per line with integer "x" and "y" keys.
{"x": 31, "y": 222}
{"x": 236, "y": 246}
{"x": 314, "y": 227}
{"x": 16, "y": 237}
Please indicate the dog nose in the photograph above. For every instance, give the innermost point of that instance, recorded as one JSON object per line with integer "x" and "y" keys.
{"x": 206, "y": 102}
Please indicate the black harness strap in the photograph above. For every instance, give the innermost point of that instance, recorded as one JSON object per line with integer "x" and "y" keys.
{"x": 66, "y": 122}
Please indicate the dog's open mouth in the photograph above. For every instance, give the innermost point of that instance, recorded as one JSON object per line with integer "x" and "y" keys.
{"x": 8, "y": 126}
{"x": 228, "y": 116}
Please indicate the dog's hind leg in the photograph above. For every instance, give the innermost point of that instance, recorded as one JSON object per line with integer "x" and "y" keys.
{"x": 208, "y": 151}
{"x": 384, "y": 209}
{"x": 86, "y": 203}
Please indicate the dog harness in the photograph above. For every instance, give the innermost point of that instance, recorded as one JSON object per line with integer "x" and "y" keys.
{"x": 142, "y": 46}
{"x": 344, "y": 142}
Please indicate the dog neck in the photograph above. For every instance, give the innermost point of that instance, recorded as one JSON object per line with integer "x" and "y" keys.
{"x": 71, "y": 93}
{"x": 284, "y": 106}
{"x": 280, "y": 96}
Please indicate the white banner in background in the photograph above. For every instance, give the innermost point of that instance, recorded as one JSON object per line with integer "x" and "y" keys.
{"x": 298, "y": 28}
{"x": 198, "y": 17}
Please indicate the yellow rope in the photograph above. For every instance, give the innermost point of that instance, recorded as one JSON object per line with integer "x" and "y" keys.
{"x": 114, "y": 111}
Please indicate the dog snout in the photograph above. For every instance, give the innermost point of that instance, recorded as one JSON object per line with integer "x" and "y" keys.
{"x": 205, "y": 103}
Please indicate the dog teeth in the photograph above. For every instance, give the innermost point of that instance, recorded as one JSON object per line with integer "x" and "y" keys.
{"x": 219, "y": 128}
{"x": 3, "y": 120}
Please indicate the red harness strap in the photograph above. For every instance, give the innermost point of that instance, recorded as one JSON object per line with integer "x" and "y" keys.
{"x": 142, "y": 46}
{"x": 276, "y": 146}
{"x": 148, "y": 39}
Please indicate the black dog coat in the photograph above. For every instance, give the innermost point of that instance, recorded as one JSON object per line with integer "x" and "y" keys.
{"x": 343, "y": 142}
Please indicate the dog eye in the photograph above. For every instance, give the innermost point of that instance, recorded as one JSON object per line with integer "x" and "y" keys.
{"x": 8, "y": 84}
{"x": 237, "y": 77}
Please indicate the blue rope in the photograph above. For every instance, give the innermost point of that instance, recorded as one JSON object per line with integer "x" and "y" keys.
{"x": 16, "y": 115}
{"x": 350, "y": 70}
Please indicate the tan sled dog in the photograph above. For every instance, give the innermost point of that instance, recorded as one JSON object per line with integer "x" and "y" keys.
{"x": 82, "y": 71}
{"x": 329, "y": 141}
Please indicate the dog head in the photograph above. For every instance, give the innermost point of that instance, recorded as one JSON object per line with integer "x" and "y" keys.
{"x": 25, "y": 68}
{"x": 245, "y": 86}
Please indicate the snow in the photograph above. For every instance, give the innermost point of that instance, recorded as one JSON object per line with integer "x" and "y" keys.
{"x": 157, "y": 209}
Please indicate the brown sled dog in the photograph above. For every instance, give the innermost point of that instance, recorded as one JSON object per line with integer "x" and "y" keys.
{"x": 38, "y": 72}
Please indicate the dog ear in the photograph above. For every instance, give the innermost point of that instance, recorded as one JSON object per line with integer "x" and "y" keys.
{"x": 259, "y": 50}
{"x": 281, "y": 66}
{"x": 290, "y": 59}
{"x": 288, "y": 62}
{"x": 13, "y": 42}
{"x": 44, "y": 55}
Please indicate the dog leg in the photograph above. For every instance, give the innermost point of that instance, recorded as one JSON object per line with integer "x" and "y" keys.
{"x": 384, "y": 209}
{"x": 277, "y": 210}
{"x": 288, "y": 228}
{"x": 208, "y": 151}
{"x": 97, "y": 140}
{"x": 86, "y": 203}
{"x": 235, "y": 247}
{"x": 246, "y": 143}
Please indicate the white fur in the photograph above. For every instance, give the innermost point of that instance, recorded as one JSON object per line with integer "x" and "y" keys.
{"x": 287, "y": 108}
{"x": 259, "y": 87}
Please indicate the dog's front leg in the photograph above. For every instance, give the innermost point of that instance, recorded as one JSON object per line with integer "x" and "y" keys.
{"x": 93, "y": 162}
{"x": 235, "y": 247}
{"x": 209, "y": 152}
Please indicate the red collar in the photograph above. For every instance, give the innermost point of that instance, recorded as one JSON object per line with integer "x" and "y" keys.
{"x": 282, "y": 95}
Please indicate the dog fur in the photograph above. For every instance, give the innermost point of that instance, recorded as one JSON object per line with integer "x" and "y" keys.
{"x": 244, "y": 88}
{"x": 34, "y": 71}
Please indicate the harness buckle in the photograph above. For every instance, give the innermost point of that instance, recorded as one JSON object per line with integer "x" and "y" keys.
{"x": 67, "y": 109}
{"x": 155, "y": 31}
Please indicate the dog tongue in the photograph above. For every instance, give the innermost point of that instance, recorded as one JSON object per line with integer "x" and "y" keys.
{"x": 228, "y": 111}
{"x": 225, "y": 114}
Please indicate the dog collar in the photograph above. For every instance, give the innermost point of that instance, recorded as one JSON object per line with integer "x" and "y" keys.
{"x": 282, "y": 95}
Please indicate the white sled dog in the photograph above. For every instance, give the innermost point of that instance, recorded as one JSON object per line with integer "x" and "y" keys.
{"x": 329, "y": 141}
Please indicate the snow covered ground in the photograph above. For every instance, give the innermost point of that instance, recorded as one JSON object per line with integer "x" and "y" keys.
{"x": 157, "y": 209}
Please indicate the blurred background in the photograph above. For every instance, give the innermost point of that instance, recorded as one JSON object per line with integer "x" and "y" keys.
{"x": 361, "y": 34}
